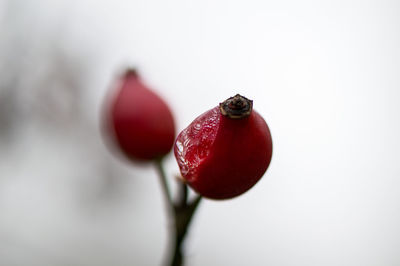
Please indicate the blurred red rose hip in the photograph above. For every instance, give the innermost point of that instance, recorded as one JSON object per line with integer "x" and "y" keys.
{"x": 226, "y": 150}
{"x": 139, "y": 121}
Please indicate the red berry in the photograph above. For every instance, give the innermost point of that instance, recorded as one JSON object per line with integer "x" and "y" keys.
{"x": 140, "y": 122}
{"x": 225, "y": 151}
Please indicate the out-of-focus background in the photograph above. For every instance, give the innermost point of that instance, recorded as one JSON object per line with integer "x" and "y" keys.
{"x": 324, "y": 74}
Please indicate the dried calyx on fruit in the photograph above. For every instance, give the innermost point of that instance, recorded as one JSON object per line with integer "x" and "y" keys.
{"x": 226, "y": 150}
{"x": 138, "y": 120}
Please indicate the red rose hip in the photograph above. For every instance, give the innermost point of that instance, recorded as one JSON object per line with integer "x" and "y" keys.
{"x": 226, "y": 150}
{"x": 140, "y": 122}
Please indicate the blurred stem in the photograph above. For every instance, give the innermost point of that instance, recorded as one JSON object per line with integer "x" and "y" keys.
{"x": 164, "y": 184}
{"x": 183, "y": 212}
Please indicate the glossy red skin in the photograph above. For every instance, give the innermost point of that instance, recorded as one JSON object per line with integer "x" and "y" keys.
{"x": 221, "y": 157}
{"x": 142, "y": 124}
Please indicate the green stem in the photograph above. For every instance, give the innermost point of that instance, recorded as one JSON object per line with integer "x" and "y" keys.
{"x": 164, "y": 184}
{"x": 183, "y": 212}
{"x": 183, "y": 217}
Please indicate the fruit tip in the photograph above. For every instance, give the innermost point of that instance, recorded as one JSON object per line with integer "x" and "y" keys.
{"x": 236, "y": 107}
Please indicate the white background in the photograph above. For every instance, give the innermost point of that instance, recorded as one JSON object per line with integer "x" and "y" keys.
{"x": 324, "y": 74}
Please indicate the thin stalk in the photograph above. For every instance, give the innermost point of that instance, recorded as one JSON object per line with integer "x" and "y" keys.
{"x": 164, "y": 184}
{"x": 183, "y": 217}
{"x": 183, "y": 212}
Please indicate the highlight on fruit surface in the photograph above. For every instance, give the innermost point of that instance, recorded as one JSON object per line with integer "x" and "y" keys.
{"x": 139, "y": 121}
{"x": 226, "y": 150}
